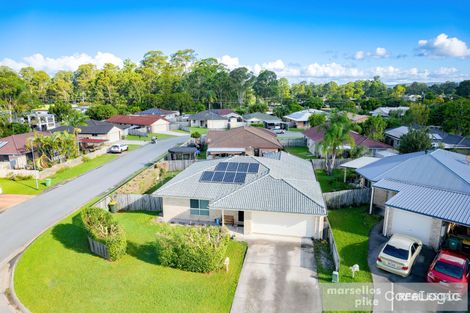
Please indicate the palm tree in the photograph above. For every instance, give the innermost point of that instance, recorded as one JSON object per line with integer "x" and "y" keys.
{"x": 75, "y": 119}
{"x": 337, "y": 134}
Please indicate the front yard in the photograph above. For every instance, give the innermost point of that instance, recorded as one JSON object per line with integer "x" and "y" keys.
{"x": 351, "y": 228}
{"x": 57, "y": 273}
{"x": 28, "y": 186}
{"x": 301, "y": 152}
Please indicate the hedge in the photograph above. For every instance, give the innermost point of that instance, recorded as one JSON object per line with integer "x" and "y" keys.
{"x": 195, "y": 249}
{"x": 102, "y": 227}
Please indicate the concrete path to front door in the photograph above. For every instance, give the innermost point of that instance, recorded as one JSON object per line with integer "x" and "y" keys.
{"x": 278, "y": 276}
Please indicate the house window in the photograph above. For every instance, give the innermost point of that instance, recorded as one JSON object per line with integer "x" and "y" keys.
{"x": 199, "y": 207}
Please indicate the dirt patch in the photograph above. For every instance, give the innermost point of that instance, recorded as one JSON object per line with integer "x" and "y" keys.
{"x": 144, "y": 181}
{"x": 7, "y": 200}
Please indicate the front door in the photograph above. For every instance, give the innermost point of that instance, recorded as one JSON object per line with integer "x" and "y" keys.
{"x": 241, "y": 216}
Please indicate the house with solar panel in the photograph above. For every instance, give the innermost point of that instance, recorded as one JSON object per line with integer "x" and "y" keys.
{"x": 422, "y": 194}
{"x": 258, "y": 195}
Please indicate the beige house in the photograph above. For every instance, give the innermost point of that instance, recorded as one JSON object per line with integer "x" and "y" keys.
{"x": 15, "y": 152}
{"x": 151, "y": 123}
{"x": 98, "y": 130}
{"x": 421, "y": 194}
{"x": 273, "y": 196}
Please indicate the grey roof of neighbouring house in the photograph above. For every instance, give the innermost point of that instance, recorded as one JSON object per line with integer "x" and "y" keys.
{"x": 436, "y": 134}
{"x": 436, "y": 183}
{"x": 261, "y": 116}
{"x": 92, "y": 127}
{"x": 206, "y": 116}
{"x": 286, "y": 185}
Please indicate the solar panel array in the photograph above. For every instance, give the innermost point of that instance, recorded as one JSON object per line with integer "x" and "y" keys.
{"x": 230, "y": 172}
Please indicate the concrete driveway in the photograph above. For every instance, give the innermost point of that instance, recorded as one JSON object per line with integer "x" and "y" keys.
{"x": 278, "y": 276}
{"x": 418, "y": 271}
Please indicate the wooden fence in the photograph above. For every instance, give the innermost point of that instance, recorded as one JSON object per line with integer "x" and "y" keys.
{"x": 333, "y": 248}
{"x": 292, "y": 142}
{"x": 132, "y": 202}
{"x": 178, "y": 165}
{"x": 346, "y": 198}
{"x": 320, "y": 164}
{"x": 98, "y": 248}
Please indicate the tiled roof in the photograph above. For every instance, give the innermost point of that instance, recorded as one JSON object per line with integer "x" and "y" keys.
{"x": 317, "y": 133}
{"x": 243, "y": 137}
{"x": 141, "y": 120}
{"x": 156, "y": 111}
{"x": 16, "y": 144}
{"x": 261, "y": 116}
{"x": 284, "y": 185}
{"x": 92, "y": 127}
{"x": 205, "y": 116}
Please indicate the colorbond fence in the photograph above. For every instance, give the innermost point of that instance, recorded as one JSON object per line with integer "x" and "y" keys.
{"x": 132, "y": 202}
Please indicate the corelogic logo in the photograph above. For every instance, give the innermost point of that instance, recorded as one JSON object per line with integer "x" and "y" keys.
{"x": 404, "y": 297}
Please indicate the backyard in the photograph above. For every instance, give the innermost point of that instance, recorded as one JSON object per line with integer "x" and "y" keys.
{"x": 57, "y": 273}
{"x": 351, "y": 227}
{"x": 28, "y": 186}
{"x": 333, "y": 182}
{"x": 301, "y": 152}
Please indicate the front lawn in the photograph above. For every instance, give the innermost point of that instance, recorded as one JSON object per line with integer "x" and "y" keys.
{"x": 148, "y": 137}
{"x": 301, "y": 152}
{"x": 57, "y": 273}
{"x": 334, "y": 182}
{"x": 28, "y": 186}
{"x": 351, "y": 227}
{"x": 200, "y": 130}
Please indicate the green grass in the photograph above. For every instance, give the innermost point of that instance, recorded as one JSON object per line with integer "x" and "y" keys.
{"x": 335, "y": 182}
{"x": 149, "y": 137}
{"x": 301, "y": 152}
{"x": 300, "y": 130}
{"x": 180, "y": 131}
{"x": 200, "y": 130}
{"x": 351, "y": 227}
{"x": 28, "y": 186}
{"x": 203, "y": 153}
{"x": 57, "y": 273}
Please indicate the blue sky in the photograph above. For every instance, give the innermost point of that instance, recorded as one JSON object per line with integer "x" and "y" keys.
{"x": 319, "y": 41}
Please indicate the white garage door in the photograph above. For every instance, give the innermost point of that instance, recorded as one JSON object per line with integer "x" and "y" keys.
{"x": 285, "y": 224}
{"x": 412, "y": 224}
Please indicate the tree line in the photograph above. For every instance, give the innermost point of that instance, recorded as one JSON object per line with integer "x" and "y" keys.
{"x": 183, "y": 82}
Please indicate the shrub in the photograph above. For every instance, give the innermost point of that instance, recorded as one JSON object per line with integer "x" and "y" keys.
{"x": 260, "y": 125}
{"x": 19, "y": 177}
{"x": 196, "y": 134}
{"x": 102, "y": 227}
{"x": 194, "y": 249}
{"x": 85, "y": 159}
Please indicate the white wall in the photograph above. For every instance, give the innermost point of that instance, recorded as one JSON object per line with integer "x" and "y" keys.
{"x": 217, "y": 124}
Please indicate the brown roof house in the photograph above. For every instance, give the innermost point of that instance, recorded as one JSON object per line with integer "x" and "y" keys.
{"x": 151, "y": 123}
{"x": 244, "y": 140}
{"x": 14, "y": 153}
{"x": 315, "y": 137}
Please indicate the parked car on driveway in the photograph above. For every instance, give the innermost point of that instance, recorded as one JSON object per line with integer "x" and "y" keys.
{"x": 278, "y": 131}
{"x": 449, "y": 267}
{"x": 399, "y": 254}
{"x": 118, "y": 148}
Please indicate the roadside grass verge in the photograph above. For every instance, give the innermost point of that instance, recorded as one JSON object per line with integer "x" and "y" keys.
{"x": 57, "y": 273}
{"x": 148, "y": 137}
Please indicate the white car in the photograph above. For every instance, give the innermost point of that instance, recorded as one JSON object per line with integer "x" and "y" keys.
{"x": 278, "y": 131}
{"x": 399, "y": 254}
{"x": 118, "y": 148}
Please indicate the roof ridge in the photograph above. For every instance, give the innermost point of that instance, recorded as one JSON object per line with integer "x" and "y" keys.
{"x": 300, "y": 191}
{"x": 424, "y": 186}
{"x": 455, "y": 173}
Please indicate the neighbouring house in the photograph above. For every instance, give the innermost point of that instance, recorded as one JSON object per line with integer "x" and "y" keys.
{"x": 39, "y": 120}
{"x": 300, "y": 119}
{"x": 96, "y": 130}
{"x": 316, "y": 134}
{"x": 260, "y": 195}
{"x": 424, "y": 195}
{"x": 168, "y": 114}
{"x": 440, "y": 139}
{"x": 245, "y": 140}
{"x": 14, "y": 152}
{"x": 150, "y": 123}
{"x": 267, "y": 120}
{"x": 412, "y": 98}
{"x": 357, "y": 118}
{"x": 81, "y": 108}
{"x": 208, "y": 119}
{"x": 385, "y": 111}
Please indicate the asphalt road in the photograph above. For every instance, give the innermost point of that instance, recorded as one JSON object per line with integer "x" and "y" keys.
{"x": 20, "y": 224}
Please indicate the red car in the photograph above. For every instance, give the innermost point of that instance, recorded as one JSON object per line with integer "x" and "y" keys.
{"x": 449, "y": 268}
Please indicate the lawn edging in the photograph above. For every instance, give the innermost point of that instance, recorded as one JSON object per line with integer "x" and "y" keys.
{"x": 12, "y": 260}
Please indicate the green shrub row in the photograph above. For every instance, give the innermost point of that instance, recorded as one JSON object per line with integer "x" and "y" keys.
{"x": 194, "y": 249}
{"x": 102, "y": 227}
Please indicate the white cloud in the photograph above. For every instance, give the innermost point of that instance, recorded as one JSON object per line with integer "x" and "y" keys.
{"x": 229, "y": 61}
{"x": 443, "y": 46}
{"x": 332, "y": 70}
{"x": 70, "y": 63}
{"x": 379, "y": 52}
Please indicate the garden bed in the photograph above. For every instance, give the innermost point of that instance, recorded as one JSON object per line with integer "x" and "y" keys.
{"x": 57, "y": 273}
